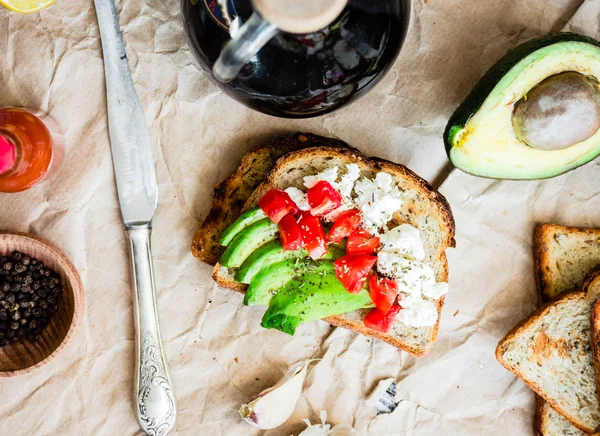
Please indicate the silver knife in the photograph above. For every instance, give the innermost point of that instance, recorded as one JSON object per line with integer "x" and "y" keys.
{"x": 138, "y": 196}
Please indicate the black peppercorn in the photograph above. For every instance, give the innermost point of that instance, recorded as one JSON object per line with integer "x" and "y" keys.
{"x": 29, "y": 294}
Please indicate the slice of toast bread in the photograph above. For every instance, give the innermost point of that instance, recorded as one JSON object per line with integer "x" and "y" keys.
{"x": 593, "y": 296}
{"x": 425, "y": 208}
{"x": 564, "y": 257}
{"x": 551, "y": 352}
{"x": 548, "y": 421}
{"x": 230, "y": 195}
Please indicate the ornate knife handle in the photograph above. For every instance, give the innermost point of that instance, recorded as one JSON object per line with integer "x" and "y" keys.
{"x": 155, "y": 400}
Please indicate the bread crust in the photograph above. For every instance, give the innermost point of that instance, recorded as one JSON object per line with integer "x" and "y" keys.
{"x": 438, "y": 203}
{"x": 523, "y": 326}
{"x": 543, "y": 236}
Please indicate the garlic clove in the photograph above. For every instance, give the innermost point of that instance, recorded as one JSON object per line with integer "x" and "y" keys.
{"x": 325, "y": 429}
{"x": 273, "y": 406}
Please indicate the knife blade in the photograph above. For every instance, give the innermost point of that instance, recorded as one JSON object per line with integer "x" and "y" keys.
{"x": 137, "y": 190}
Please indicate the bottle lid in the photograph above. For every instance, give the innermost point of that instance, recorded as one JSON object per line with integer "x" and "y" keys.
{"x": 8, "y": 154}
{"x": 300, "y": 16}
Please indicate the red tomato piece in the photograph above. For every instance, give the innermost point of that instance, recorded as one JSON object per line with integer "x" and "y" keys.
{"x": 277, "y": 204}
{"x": 313, "y": 235}
{"x": 323, "y": 198}
{"x": 290, "y": 233}
{"x": 362, "y": 242}
{"x": 352, "y": 271}
{"x": 383, "y": 292}
{"x": 344, "y": 226}
{"x": 382, "y": 322}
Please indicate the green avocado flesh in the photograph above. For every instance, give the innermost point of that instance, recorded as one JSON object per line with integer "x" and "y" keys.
{"x": 247, "y": 241}
{"x": 272, "y": 253}
{"x": 311, "y": 297}
{"x": 272, "y": 278}
{"x": 243, "y": 222}
{"x": 498, "y": 133}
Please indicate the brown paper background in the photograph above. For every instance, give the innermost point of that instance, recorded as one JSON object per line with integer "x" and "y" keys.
{"x": 219, "y": 355}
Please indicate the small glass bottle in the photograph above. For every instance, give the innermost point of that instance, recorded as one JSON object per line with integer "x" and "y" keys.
{"x": 31, "y": 147}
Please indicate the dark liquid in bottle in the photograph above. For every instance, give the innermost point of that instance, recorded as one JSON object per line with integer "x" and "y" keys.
{"x": 300, "y": 76}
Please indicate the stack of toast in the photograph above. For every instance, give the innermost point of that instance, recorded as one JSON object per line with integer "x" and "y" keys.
{"x": 283, "y": 163}
{"x": 555, "y": 350}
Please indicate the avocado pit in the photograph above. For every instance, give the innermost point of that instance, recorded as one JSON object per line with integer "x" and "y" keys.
{"x": 559, "y": 112}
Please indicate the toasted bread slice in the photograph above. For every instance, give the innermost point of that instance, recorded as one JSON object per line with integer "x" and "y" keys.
{"x": 564, "y": 257}
{"x": 592, "y": 285}
{"x": 231, "y": 194}
{"x": 548, "y": 421}
{"x": 425, "y": 209}
{"x": 551, "y": 352}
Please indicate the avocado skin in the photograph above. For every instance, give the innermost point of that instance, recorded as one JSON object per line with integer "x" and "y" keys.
{"x": 488, "y": 82}
{"x": 247, "y": 241}
{"x": 311, "y": 297}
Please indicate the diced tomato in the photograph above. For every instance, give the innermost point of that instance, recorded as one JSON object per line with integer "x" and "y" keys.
{"x": 313, "y": 235}
{"x": 290, "y": 233}
{"x": 277, "y": 204}
{"x": 344, "y": 226}
{"x": 352, "y": 271}
{"x": 382, "y": 322}
{"x": 323, "y": 198}
{"x": 362, "y": 242}
{"x": 383, "y": 292}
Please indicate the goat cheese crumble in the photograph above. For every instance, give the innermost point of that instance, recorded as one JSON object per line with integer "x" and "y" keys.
{"x": 402, "y": 256}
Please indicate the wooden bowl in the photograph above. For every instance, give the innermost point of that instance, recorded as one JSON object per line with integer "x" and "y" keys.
{"x": 23, "y": 357}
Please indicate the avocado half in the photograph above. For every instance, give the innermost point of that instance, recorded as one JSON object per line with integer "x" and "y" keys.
{"x": 480, "y": 137}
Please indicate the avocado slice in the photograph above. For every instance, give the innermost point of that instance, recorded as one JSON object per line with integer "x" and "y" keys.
{"x": 484, "y": 137}
{"x": 248, "y": 241}
{"x": 310, "y": 297}
{"x": 243, "y": 222}
{"x": 272, "y": 253}
{"x": 266, "y": 255}
{"x": 271, "y": 279}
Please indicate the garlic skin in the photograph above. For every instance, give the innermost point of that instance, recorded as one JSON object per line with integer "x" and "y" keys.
{"x": 273, "y": 406}
{"x": 325, "y": 429}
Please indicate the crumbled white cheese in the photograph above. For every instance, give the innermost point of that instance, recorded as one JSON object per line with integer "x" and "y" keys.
{"x": 436, "y": 290}
{"x": 298, "y": 197}
{"x": 404, "y": 239}
{"x": 346, "y": 184}
{"x": 402, "y": 257}
{"x": 417, "y": 312}
{"x": 378, "y": 200}
{"x": 330, "y": 175}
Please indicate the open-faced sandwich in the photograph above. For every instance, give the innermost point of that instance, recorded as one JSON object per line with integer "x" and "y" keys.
{"x": 312, "y": 229}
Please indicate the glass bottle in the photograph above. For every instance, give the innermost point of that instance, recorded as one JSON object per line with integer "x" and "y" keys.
{"x": 31, "y": 148}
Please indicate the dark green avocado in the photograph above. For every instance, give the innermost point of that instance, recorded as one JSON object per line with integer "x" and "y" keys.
{"x": 311, "y": 297}
{"x": 247, "y": 241}
{"x": 515, "y": 124}
{"x": 274, "y": 277}
{"x": 242, "y": 223}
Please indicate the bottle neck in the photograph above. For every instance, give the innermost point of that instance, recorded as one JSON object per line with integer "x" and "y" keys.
{"x": 8, "y": 154}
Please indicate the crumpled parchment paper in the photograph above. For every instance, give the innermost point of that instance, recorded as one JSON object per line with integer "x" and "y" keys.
{"x": 219, "y": 355}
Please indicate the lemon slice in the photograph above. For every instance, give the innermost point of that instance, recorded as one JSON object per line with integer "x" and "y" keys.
{"x": 26, "y": 6}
